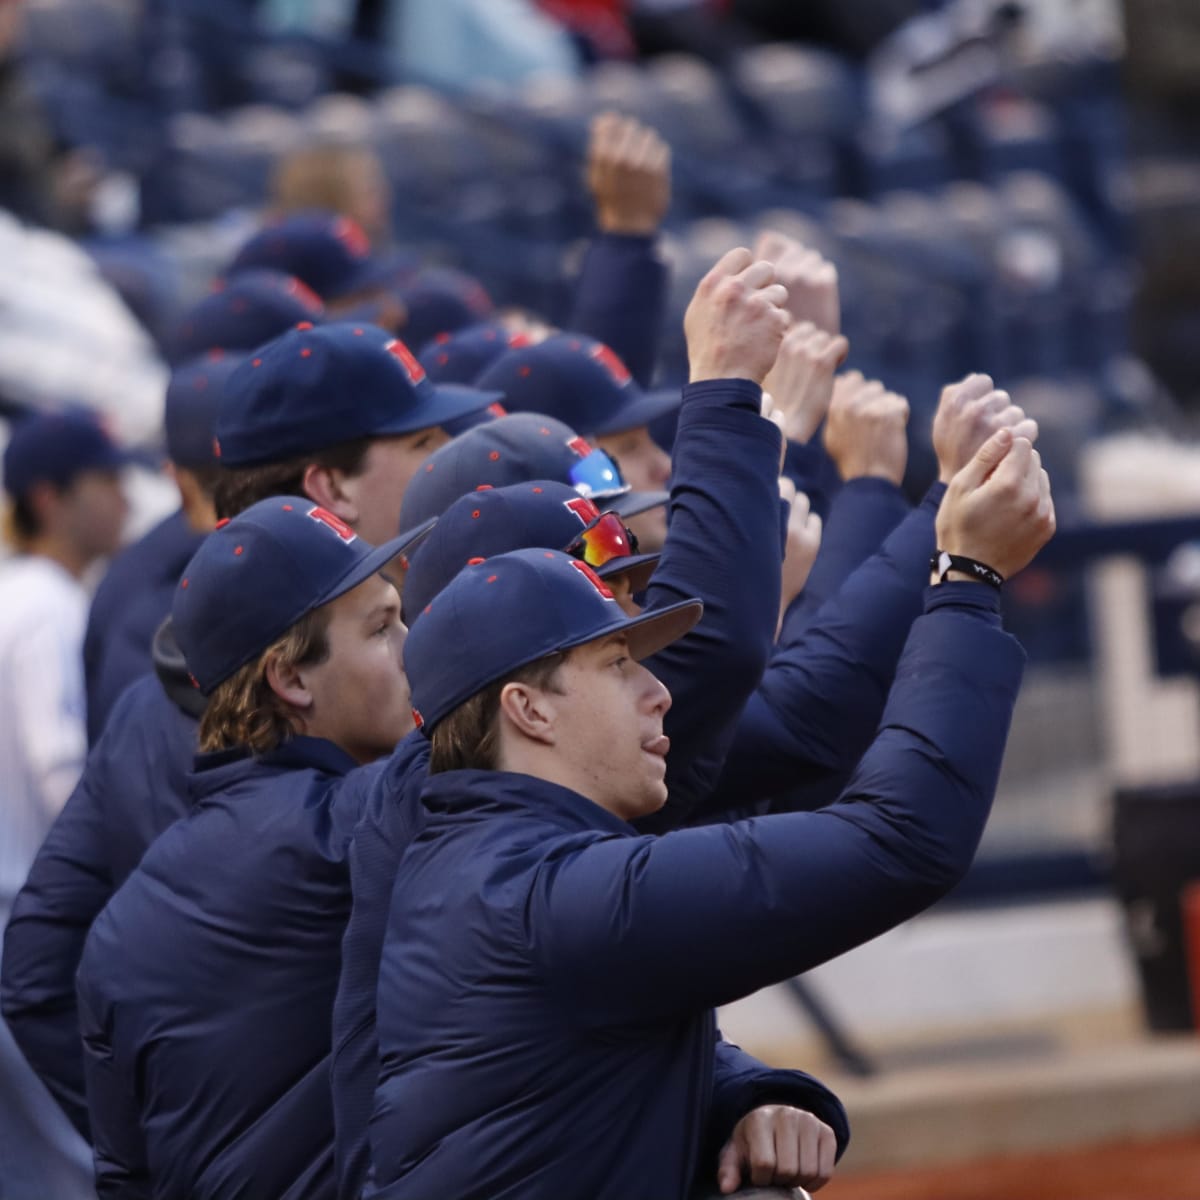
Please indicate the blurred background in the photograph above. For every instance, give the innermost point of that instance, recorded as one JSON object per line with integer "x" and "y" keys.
{"x": 1010, "y": 187}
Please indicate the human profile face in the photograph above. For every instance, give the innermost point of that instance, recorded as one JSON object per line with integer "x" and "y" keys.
{"x": 358, "y": 694}
{"x": 646, "y": 468}
{"x": 92, "y": 513}
{"x": 607, "y": 713}
{"x": 377, "y": 492}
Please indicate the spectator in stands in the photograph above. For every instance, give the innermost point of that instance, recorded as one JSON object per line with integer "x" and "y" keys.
{"x": 67, "y": 508}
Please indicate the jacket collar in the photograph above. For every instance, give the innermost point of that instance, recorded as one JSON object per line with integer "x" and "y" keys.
{"x": 216, "y": 771}
{"x": 484, "y": 794}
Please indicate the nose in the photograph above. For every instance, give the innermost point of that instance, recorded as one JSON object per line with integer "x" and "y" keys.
{"x": 656, "y": 698}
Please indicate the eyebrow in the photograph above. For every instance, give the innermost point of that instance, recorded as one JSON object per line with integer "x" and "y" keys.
{"x": 381, "y": 610}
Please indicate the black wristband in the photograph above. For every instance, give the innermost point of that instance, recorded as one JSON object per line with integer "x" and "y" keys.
{"x": 942, "y": 563}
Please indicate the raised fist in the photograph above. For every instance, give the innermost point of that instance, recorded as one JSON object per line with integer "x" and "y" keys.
{"x": 865, "y": 430}
{"x": 811, "y": 280}
{"x": 628, "y": 174}
{"x": 803, "y": 541}
{"x": 968, "y": 413}
{"x": 736, "y": 320}
{"x": 998, "y": 509}
{"x": 801, "y": 381}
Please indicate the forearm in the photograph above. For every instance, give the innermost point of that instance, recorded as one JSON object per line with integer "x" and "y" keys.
{"x": 863, "y": 514}
{"x": 741, "y": 1083}
{"x": 778, "y": 895}
{"x": 821, "y": 697}
{"x": 620, "y": 299}
{"x": 723, "y": 546}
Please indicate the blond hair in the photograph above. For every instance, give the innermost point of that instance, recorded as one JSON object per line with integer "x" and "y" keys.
{"x": 245, "y": 710}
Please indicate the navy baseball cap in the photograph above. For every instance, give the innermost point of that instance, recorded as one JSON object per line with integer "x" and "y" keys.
{"x": 542, "y": 515}
{"x": 506, "y": 612}
{"x": 55, "y": 448}
{"x": 329, "y": 253}
{"x": 190, "y": 412}
{"x": 441, "y": 300}
{"x": 318, "y": 386}
{"x": 460, "y": 357}
{"x": 519, "y": 448}
{"x": 243, "y": 312}
{"x": 578, "y": 380}
{"x": 256, "y": 575}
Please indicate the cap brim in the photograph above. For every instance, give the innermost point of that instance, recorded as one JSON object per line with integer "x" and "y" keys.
{"x": 449, "y": 403}
{"x": 629, "y": 504}
{"x": 643, "y": 409}
{"x": 638, "y": 567}
{"x": 377, "y": 559}
{"x": 652, "y": 631}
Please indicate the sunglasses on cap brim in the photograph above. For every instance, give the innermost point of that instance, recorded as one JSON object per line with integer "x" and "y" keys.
{"x": 597, "y": 475}
{"x": 605, "y": 539}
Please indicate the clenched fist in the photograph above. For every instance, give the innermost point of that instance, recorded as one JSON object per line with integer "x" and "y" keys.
{"x": 865, "y": 433}
{"x": 803, "y": 541}
{"x": 811, "y": 280}
{"x": 628, "y": 174}
{"x": 736, "y": 320}
{"x": 801, "y": 381}
{"x": 968, "y": 413}
{"x": 778, "y": 1145}
{"x": 998, "y": 509}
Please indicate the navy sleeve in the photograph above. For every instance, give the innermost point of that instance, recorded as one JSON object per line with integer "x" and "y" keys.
{"x": 124, "y": 655}
{"x": 861, "y": 516}
{"x": 68, "y": 885}
{"x": 390, "y": 821}
{"x": 820, "y": 699}
{"x": 644, "y": 929}
{"x": 723, "y": 546}
{"x": 133, "y": 786}
{"x": 621, "y": 297}
{"x": 811, "y": 469}
{"x": 118, "y": 1140}
{"x": 741, "y": 1084}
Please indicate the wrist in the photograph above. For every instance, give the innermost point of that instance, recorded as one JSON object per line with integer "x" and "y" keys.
{"x": 871, "y": 471}
{"x": 627, "y": 224}
{"x": 946, "y": 566}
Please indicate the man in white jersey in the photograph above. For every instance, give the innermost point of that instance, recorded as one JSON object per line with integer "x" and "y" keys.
{"x": 66, "y": 510}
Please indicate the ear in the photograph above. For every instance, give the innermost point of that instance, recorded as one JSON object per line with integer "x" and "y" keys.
{"x": 530, "y": 712}
{"x": 326, "y": 485}
{"x": 286, "y": 680}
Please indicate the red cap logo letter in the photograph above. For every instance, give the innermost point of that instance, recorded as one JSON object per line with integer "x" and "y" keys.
{"x": 612, "y": 364}
{"x": 583, "y": 508}
{"x": 412, "y": 368}
{"x": 581, "y": 446}
{"x": 593, "y": 579}
{"x": 326, "y": 518}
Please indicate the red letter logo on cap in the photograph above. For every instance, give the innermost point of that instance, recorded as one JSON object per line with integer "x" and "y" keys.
{"x": 350, "y": 234}
{"x": 412, "y": 368}
{"x": 325, "y": 517}
{"x": 580, "y": 446}
{"x": 593, "y": 579}
{"x": 612, "y": 364}
{"x": 583, "y": 508}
